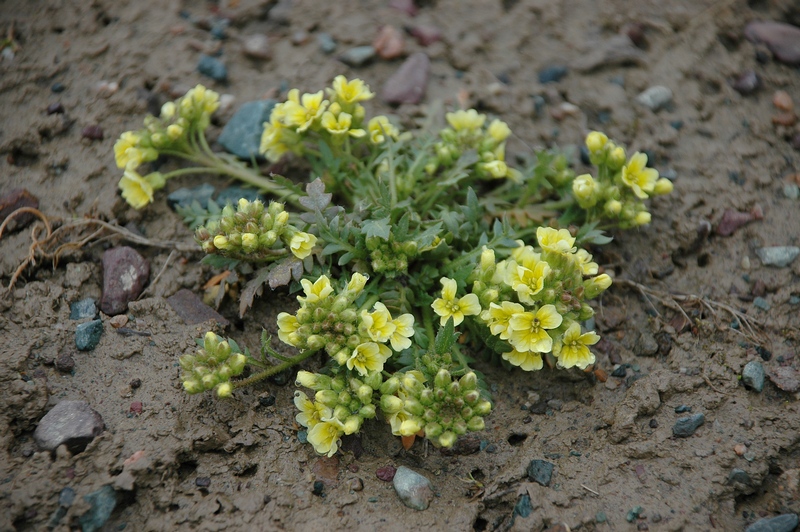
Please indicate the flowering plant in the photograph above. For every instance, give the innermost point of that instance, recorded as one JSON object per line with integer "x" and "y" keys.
{"x": 399, "y": 233}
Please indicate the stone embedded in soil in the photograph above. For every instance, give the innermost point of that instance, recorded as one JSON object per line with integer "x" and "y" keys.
{"x": 192, "y": 310}
{"x": 739, "y": 476}
{"x": 87, "y": 335}
{"x": 782, "y": 523}
{"x": 647, "y": 345}
{"x": 386, "y": 473}
{"x": 778, "y": 256}
{"x": 93, "y": 132}
{"x": 184, "y": 197}
{"x": 732, "y": 220}
{"x": 125, "y": 273}
{"x": 213, "y": 68}
{"x": 65, "y": 499}
{"x": 413, "y": 489}
{"x": 241, "y": 136}
{"x": 786, "y": 378}
{"x": 753, "y": 376}
{"x": 83, "y": 309}
{"x": 389, "y": 43}
{"x": 552, "y": 74}
{"x": 256, "y": 46}
{"x": 326, "y": 43}
{"x": 686, "y": 426}
{"x": 103, "y": 502}
{"x": 358, "y": 56}
{"x": 326, "y": 470}
{"x": 746, "y": 83}
{"x": 783, "y": 40}
{"x": 16, "y": 199}
{"x": 425, "y": 35}
{"x": 523, "y": 508}
{"x": 655, "y": 98}
{"x": 233, "y": 194}
{"x": 540, "y": 471}
{"x": 70, "y": 423}
{"x": 409, "y": 83}
{"x": 65, "y": 363}
{"x": 618, "y": 50}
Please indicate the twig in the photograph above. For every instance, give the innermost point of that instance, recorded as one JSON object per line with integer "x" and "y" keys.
{"x": 590, "y": 490}
{"x": 161, "y": 271}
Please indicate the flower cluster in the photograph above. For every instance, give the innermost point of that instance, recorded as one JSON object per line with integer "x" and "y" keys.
{"x": 340, "y": 406}
{"x": 333, "y": 120}
{"x": 441, "y": 410}
{"x": 621, "y": 184}
{"x": 355, "y": 338}
{"x": 212, "y": 366}
{"x": 171, "y": 131}
{"x": 390, "y": 257}
{"x": 468, "y": 131}
{"x": 254, "y": 233}
{"x": 534, "y": 300}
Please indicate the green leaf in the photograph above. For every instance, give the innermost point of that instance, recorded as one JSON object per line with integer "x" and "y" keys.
{"x": 379, "y": 228}
{"x": 332, "y": 248}
{"x": 445, "y": 338}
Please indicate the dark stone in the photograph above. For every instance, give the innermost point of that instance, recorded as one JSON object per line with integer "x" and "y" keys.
{"x": 103, "y": 502}
{"x": 282, "y": 378}
{"x": 523, "y": 508}
{"x": 232, "y": 195}
{"x": 125, "y": 273}
{"x": 358, "y": 56}
{"x": 413, "y": 489}
{"x": 202, "y": 482}
{"x": 87, "y": 335}
{"x": 192, "y": 310}
{"x": 83, "y": 309}
{"x": 653, "y": 423}
{"x": 213, "y": 68}
{"x": 184, "y": 197}
{"x": 93, "y": 132}
{"x": 782, "y": 523}
{"x": 783, "y": 40}
{"x": 66, "y": 497}
{"x": 552, "y": 74}
{"x": 12, "y": 200}
{"x": 739, "y": 476}
{"x": 65, "y": 363}
{"x": 746, "y": 83}
{"x": 682, "y": 408}
{"x": 409, "y": 83}
{"x": 686, "y": 426}
{"x": 71, "y": 423}
{"x": 266, "y": 401}
{"x": 386, "y": 473}
{"x": 57, "y": 87}
{"x": 540, "y": 471}
{"x": 55, "y": 109}
{"x": 135, "y": 383}
{"x": 319, "y": 488}
{"x": 620, "y": 371}
{"x": 241, "y": 136}
{"x": 753, "y": 376}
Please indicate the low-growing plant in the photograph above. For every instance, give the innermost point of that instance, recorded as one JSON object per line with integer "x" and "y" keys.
{"x": 399, "y": 239}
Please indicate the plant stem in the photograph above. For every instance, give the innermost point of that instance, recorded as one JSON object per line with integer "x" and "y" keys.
{"x": 273, "y": 370}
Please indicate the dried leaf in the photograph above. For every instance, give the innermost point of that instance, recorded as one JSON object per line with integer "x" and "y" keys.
{"x": 253, "y": 288}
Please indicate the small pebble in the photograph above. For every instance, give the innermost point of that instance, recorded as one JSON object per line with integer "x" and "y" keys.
{"x": 389, "y": 43}
{"x": 93, "y": 132}
{"x": 739, "y": 449}
{"x": 523, "y": 508}
{"x": 425, "y": 35}
{"x": 83, "y": 309}
{"x": 87, "y": 335}
{"x": 406, "y": 6}
{"x": 241, "y": 136}
{"x": 635, "y": 32}
{"x": 653, "y": 423}
{"x": 761, "y": 303}
{"x": 135, "y": 383}
{"x": 300, "y": 37}
{"x": 600, "y": 517}
{"x": 125, "y": 272}
{"x": 136, "y": 408}
{"x": 65, "y": 363}
{"x": 106, "y": 89}
{"x": 256, "y": 46}
{"x": 319, "y": 488}
{"x": 413, "y": 489}
{"x": 202, "y": 482}
{"x": 786, "y": 378}
{"x": 386, "y": 473}
{"x": 682, "y": 408}
{"x": 213, "y": 68}
{"x": 552, "y": 74}
{"x": 778, "y": 256}
{"x": 655, "y": 98}
{"x": 783, "y": 40}
{"x": 540, "y": 471}
{"x": 791, "y": 191}
{"x": 634, "y": 514}
{"x": 70, "y": 423}
{"x": 269, "y": 400}
{"x": 739, "y": 476}
{"x": 326, "y": 43}
{"x": 302, "y": 436}
{"x": 55, "y": 108}
{"x": 57, "y": 87}
{"x": 356, "y": 484}
{"x": 119, "y": 321}
{"x": 781, "y": 523}
{"x": 783, "y": 101}
{"x": 746, "y": 83}
{"x": 358, "y": 56}
{"x": 753, "y": 376}
{"x": 732, "y": 220}
{"x": 409, "y": 83}
{"x": 686, "y": 426}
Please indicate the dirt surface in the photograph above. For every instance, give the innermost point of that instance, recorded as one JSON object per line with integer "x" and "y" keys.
{"x": 238, "y": 464}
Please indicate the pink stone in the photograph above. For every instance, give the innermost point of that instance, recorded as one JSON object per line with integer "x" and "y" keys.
{"x": 409, "y": 82}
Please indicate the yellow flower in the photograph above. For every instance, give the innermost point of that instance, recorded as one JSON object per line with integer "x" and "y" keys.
{"x": 497, "y": 317}
{"x": 404, "y": 330}
{"x": 596, "y": 285}
{"x": 556, "y": 241}
{"x": 319, "y": 290}
{"x": 638, "y": 177}
{"x": 497, "y": 169}
{"x": 572, "y": 349}
{"x": 527, "y": 280}
{"x": 303, "y": 111}
{"x": 584, "y": 260}
{"x": 357, "y": 283}
{"x": 136, "y": 190}
{"x": 301, "y": 244}
{"x": 311, "y": 412}
{"x": 340, "y": 125}
{"x": 379, "y": 128}
{"x": 287, "y": 326}
{"x": 448, "y": 307}
{"x": 465, "y": 120}
{"x": 397, "y": 420}
{"x": 528, "y": 329}
{"x": 205, "y": 100}
{"x": 499, "y": 130}
{"x": 368, "y": 357}
{"x": 585, "y": 190}
{"x": 528, "y": 360}
{"x": 349, "y": 92}
{"x": 378, "y": 323}
{"x": 324, "y": 436}
{"x": 596, "y": 141}
{"x": 277, "y": 139}
{"x": 126, "y": 150}
{"x": 522, "y": 254}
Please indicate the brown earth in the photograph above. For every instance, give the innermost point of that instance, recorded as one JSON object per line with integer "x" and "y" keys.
{"x": 611, "y": 443}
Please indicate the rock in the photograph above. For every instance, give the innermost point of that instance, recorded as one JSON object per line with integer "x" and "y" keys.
{"x": 778, "y": 256}
{"x": 184, "y": 197}
{"x": 389, "y": 43}
{"x": 782, "y": 523}
{"x": 647, "y": 345}
{"x": 540, "y": 471}
{"x": 92, "y": 132}
{"x": 413, "y": 489}
{"x": 125, "y": 273}
{"x": 102, "y": 504}
{"x": 786, "y": 378}
{"x": 83, "y": 309}
{"x": 65, "y": 363}
{"x": 71, "y": 423}
{"x": 686, "y": 426}
{"x": 746, "y": 83}
{"x": 87, "y": 335}
{"x": 655, "y": 98}
{"x": 358, "y": 56}
{"x": 753, "y": 376}
{"x": 783, "y": 40}
{"x": 552, "y": 74}
{"x": 356, "y": 484}
{"x": 739, "y": 476}
{"x": 256, "y": 46}
{"x": 523, "y": 508}
{"x": 192, "y": 310}
{"x": 791, "y": 191}
{"x": 326, "y": 470}
{"x": 425, "y": 35}
{"x": 326, "y": 43}
{"x": 618, "y": 50}
{"x": 761, "y": 303}
{"x": 65, "y": 500}
{"x": 233, "y": 194}
{"x": 732, "y": 220}
{"x": 409, "y": 83}
{"x": 386, "y": 473}
{"x": 241, "y": 136}
{"x": 58, "y": 87}
{"x": 12, "y": 200}
{"x": 202, "y": 482}
{"x": 213, "y": 68}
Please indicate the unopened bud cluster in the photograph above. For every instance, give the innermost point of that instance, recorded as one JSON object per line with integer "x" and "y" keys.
{"x": 211, "y": 367}
{"x": 621, "y": 186}
{"x": 443, "y": 409}
{"x": 468, "y": 132}
{"x": 389, "y": 256}
{"x": 252, "y": 232}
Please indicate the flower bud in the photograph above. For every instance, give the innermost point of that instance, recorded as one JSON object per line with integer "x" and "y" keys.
{"x": 186, "y": 362}
{"x": 168, "y": 110}
{"x": 613, "y": 207}
{"x": 338, "y": 383}
{"x": 192, "y": 386}
{"x": 209, "y": 381}
{"x": 341, "y": 412}
{"x": 281, "y": 220}
{"x": 426, "y": 397}
{"x": 328, "y": 398}
{"x": 414, "y": 407}
{"x": 342, "y": 356}
{"x": 224, "y": 372}
{"x": 483, "y": 408}
{"x": 352, "y": 424}
{"x": 472, "y": 397}
{"x": 409, "y": 248}
{"x": 442, "y": 379}
{"x": 390, "y": 386}
{"x": 469, "y": 381}
{"x": 447, "y": 439}
{"x": 174, "y": 131}
{"x": 454, "y": 389}
{"x": 460, "y": 427}
{"x": 663, "y": 186}
{"x": 433, "y": 430}
{"x": 374, "y": 380}
{"x": 307, "y": 379}
{"x": 249, "y": 242}
{"x": 367, "y": 412}
{"x": 596, "y": 141}
{"x": 315, "y": 342}
{"x": 364, "y": 393}
{"x": 642, "y": 218}
{"x": 224, "y": 390}
{"x": 221, "y": 242}
{"x": 409, "y": 427}
{"x": 476, "y": 424}
{"x": 616, "y": 158}
{"x": 391, "y": 404}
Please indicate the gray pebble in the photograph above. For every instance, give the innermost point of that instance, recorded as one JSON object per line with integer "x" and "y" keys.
{"x": 540, "y": 471}
{"x": 647, "y": 345}
{"x": 71, "y": 423}
{"x": 761, "y": 303}
{"x": 746, "y": 83}
{"x": 213, "y": 68}
{"x": 791, "y": 191}
{"x": 753, "y": 375}
{"x": 326, "y": 43}
{"x": 85, "y": 308}
{"x": 413, "y": 489}
{"x": 358, "y": 56}
{"x": 409, "y": 83}
{"x": 256, "y": 46}
{"x": 739, "y": 476}
{"x": 783, "y": 40}
{"x": 655, "y": 98}
{"x": 782, "y": 523}
{"x": 686, "y": 426}
{"x": 125, "y": 273}
{"x": 102, "y": 504}
{"x": 778, "y": 256}
{"x": 241, "y": 136}
{"x": 87, "y": 335}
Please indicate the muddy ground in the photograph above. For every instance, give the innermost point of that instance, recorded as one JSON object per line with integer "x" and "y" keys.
{"x": 238, "y": 464}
